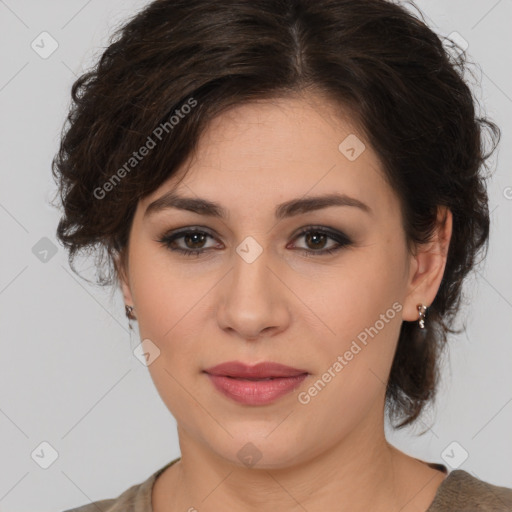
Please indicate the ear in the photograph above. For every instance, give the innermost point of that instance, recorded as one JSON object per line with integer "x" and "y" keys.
{"x": 124, "y": 284}
{"x": 427, "y": 267}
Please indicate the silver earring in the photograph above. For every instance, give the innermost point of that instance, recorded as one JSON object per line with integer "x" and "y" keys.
{"x": 422, "y": 310}
{"x": 129, "y": 310}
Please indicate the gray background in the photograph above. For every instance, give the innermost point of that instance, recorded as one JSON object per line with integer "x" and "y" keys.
{"x": 68, "y": 375}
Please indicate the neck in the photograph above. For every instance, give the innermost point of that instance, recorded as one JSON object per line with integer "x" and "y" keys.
{"x": 362, "y": 472}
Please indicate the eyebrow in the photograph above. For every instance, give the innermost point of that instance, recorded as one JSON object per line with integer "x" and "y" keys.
{"x": 284, "y": 210}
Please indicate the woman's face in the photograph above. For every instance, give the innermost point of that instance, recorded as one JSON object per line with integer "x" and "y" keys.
{"x": 255, "y": 294}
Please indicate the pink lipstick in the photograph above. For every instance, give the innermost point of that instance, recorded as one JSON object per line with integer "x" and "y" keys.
{"x": 259, "y": 384}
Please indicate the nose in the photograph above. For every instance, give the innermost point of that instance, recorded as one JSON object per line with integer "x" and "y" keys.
{"x": 253, "y": 300}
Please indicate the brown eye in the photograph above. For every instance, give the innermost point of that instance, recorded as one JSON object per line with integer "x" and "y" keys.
{"x": 316, "y": 239}
{"x": 192, "y": 242}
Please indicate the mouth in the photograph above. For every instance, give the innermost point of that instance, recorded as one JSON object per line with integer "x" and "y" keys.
{"x": 259, "y": 384}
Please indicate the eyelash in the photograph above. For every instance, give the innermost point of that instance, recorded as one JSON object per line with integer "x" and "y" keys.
{"x": 341, "y": 239}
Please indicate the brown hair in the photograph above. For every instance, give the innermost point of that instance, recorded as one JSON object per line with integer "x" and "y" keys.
{"x": 373, "y": 58}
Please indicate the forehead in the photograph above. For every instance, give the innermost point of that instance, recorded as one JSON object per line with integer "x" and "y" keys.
{"x": 263, "y": 152}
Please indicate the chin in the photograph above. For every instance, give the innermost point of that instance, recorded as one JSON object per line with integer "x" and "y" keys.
{"x": 260, "y": 452}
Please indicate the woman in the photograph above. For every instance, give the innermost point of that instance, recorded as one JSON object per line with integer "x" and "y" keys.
{"x": 290, "y": 195}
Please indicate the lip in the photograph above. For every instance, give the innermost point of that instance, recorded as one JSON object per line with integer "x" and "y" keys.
{"x": 244, "y": 384}
{"x": 263, "y": 370}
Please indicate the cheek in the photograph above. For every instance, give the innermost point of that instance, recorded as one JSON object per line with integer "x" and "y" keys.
{"x": 351, "y": 296}
{"x": 360, "y": 306}
{"x": 171, "y": 310}
{"x": 354, "y": 363}
{"x": 164, "y": 293}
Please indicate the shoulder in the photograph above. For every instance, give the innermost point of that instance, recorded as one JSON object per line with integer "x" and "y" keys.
{"x": 137, "y": 498}
{"x": 462, "y": 492}
{"x": 97, "y": 506}
{"x": 130, "y": 500}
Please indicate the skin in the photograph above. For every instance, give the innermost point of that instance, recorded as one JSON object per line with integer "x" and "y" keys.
{"x": 287, "y": 307}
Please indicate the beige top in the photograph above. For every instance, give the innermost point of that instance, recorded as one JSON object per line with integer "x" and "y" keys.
{"x": 459, "y": 492}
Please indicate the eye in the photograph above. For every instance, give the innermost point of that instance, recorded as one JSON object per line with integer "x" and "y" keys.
{"x": 193, "y": 241}
{"x": 192, "y": 238}
{"x": 316, "y": 237}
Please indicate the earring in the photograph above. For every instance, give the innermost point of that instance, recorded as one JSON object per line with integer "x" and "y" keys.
{"x": 128, "y": 310}
{"x": 422, "y": 310}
